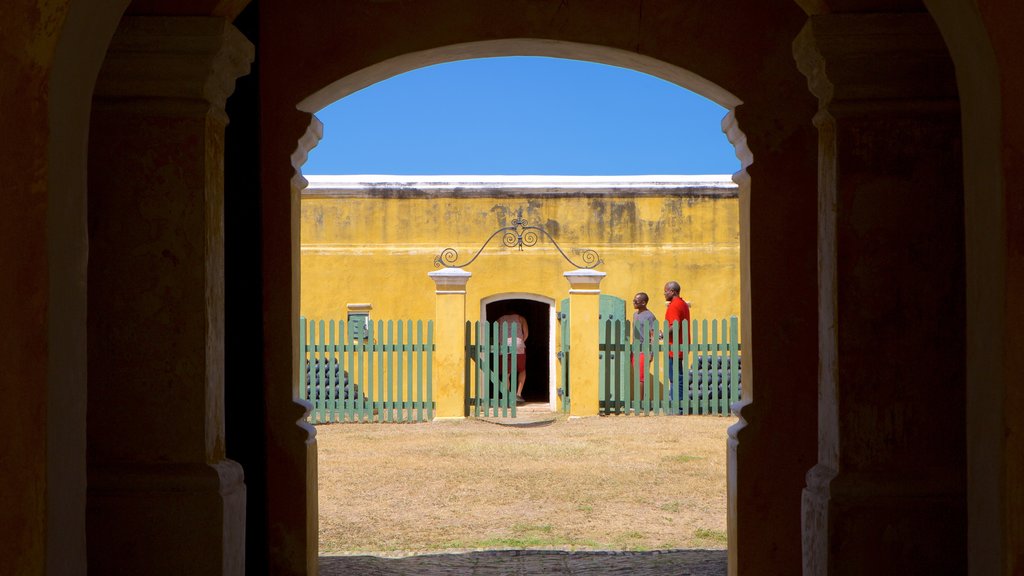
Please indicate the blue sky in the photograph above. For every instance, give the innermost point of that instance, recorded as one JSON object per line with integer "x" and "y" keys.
{"x": 522, "y": 115}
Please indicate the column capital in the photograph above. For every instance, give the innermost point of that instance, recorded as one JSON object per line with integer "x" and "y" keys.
{"x": 868, "y": 57}
{"x": 585, "y": 281}
{"x": 178, "y": 58}
{"x": 450, "y": 280}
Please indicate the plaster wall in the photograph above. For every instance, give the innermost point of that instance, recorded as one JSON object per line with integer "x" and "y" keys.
{"x": 377, "y": 247}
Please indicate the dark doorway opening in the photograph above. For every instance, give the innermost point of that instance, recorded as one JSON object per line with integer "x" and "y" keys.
{"x": 538, "y": 343}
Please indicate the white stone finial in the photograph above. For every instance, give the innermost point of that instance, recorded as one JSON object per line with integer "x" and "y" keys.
{"x": 584, "y": 281}
{"x": 450, "y": 280}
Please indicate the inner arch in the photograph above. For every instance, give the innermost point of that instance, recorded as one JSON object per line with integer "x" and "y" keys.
{"x": 517, "y": 47}
{"x": 523, "y": 115}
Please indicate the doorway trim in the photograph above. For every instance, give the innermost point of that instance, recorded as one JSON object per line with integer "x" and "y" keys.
{"x": 552, "y": 359}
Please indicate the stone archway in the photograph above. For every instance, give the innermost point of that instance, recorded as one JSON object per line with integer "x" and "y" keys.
{"x": 782, "y": 145}
{"x": 993, "y": 461}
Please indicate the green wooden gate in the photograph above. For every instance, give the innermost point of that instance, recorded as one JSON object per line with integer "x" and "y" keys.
{"x": 358, "y": 372}
{"x": 612, "y": 310}
{"x": 563, "y": 354}
{"x": 491, "y": 369}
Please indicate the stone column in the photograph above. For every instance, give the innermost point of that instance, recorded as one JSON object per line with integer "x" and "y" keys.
{"x": 450, "y": 343}
{"x": 584, "y": 312}
{"x": 888, "y": 489}
{"x": 162, "y": 496}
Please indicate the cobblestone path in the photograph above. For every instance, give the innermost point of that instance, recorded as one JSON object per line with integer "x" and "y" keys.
{"x": 541, "y": 562}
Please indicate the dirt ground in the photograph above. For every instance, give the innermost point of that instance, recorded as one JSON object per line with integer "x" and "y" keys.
{"x": 608, "y": 483}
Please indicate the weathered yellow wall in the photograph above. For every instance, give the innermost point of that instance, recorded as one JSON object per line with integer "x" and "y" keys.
{"x": 379, "y": 250}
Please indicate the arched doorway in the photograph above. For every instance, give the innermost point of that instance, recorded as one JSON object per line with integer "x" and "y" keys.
{"x": 540, "y": 346}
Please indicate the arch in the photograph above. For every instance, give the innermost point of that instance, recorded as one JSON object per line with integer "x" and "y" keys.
{"x": 368, "y": 43}
{"x": 985, "y": 227}
{"x": 517, "y": 47}
{"x": 80, "y": 53}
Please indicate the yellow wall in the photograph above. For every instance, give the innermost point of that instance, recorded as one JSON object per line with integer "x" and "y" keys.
{"x": 379, "y": 250}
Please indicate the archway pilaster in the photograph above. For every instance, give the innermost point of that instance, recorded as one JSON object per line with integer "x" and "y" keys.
{"x": 156, "y": 303}
{"x": 891, "y": 367}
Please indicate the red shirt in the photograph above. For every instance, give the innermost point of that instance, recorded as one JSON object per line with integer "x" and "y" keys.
{"x": 678, "y": 310}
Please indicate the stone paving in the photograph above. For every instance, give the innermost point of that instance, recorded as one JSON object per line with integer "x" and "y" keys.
{"x": 522, "y": 562}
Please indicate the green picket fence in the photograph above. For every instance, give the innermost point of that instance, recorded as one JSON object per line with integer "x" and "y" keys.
{"x": 491, "y": 371}
{"x": 361, "y": 372}
{"x": 708, "y": 363}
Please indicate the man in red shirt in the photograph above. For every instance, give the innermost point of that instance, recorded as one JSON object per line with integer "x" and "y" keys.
{"x": 678, "y": 310}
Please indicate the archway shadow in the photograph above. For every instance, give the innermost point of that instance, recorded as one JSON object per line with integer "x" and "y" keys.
{"x": 511, "y": 562}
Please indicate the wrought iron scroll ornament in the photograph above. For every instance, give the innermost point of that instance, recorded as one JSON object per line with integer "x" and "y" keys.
{"x": 516, "y": 236}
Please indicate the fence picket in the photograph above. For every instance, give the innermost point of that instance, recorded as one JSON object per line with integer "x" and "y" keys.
{"x": 407, "y": 379}
{"x": 371, "y": 374}
{"x": 734, "y": 361}
{"x": 503, "y": 368}
{"x": 410, "y": 348}
{"x": 399, "y": 354}
{"x": 419, "y": 370}
{"x": 511, "y": 390}
{"x": 621, "y": 370}
{"x": 311, "y": 371}
{"x": 485, "y": 377}
{"x": 709, "y": 391}
{"x": 303, "y": 359}
{"x": 429, "y": 399}
{"x": 483, "y": 336}
{"x": 345, "y": 354}
{"x": 332, "y": 377}
{"x": 655, "y": 374}
{"x": 629, "y": 366}
{"x": 720, "y": 374}
{"x": 701, "y": 330}
{"x": 320, "y": 372}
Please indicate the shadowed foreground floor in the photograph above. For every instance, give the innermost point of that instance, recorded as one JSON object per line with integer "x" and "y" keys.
{"x": 516, "y": 562}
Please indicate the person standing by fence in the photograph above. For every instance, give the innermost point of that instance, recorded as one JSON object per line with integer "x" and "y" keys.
{"x": 520, "y": 339}
{"x": 678, "y": 311}
{"x": 645, "y": 327}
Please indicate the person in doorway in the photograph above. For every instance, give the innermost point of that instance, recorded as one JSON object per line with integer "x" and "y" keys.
{"x": 678, "y": 311}
{"x": 645, "y": 328}
{"x": 520, "y": 337}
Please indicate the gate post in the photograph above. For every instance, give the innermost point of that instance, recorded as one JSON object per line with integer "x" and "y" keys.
{"x": 450, "y": 347}
{"x": 584, "y": 327}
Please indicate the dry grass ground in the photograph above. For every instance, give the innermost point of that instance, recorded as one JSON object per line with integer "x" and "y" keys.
{"x": 622, "y": 483}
